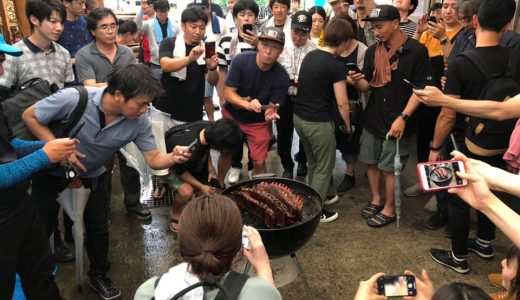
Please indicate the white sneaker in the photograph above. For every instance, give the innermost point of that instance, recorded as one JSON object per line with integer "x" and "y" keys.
{"x": 234, "y": 175}
{"x": 413, "y": 191}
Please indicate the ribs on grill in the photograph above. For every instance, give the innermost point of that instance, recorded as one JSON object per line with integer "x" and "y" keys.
{"x": 273, "y": 203}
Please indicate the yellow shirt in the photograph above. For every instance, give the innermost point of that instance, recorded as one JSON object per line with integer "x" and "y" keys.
{"x": 434, "y": 45}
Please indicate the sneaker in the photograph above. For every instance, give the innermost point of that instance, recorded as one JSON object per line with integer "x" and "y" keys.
{"x": 483, "y": 252}
{"x": 140, "y": 212}
{"x": 348, "y": 183}
{"x": 301, "y": 170}
{"x": 234, "y": 175}
{"x": 328, "y": 216}
{"x": 413, "y": 191}
{"x": 62, "y": 254}
{"x": 103, "y": 286}
{"x": 445, "y": 258}
{"x": 436, "y": 221}
{"x": 287, "y": 174}
{"x": 331, "y": 199}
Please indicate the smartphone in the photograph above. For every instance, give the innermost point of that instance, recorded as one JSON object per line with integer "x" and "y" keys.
{"x": 247, "y": 27}
{"x": 396, "y": 286}
{"x": 191, "y": 147}
{"x": 432, "y": 19}
{"x": 74, "y": 133}
{"x": 411, "y": 84}
{"x": 440, "y": 175}
{"x": 209, "y": 49}
{"x": 245, "y": 241}
{"x": 353, "y": 67}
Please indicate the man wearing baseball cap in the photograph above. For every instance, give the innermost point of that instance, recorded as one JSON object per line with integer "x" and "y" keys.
{"x": 255, "y": 88}
{"x": 389, "y": 111}
{"x": 291, "y": 59}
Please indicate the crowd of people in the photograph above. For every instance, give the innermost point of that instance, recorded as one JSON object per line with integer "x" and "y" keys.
{"x": 367, "y": 82}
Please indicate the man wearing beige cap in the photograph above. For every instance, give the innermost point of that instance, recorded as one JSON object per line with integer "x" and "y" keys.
{"x": 255, "y": 88}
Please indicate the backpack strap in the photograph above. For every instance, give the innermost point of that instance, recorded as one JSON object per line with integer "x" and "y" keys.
{"x": 233, "y": 285}
{"x": 210, "y": 281}
{"x": 77, "y": 113}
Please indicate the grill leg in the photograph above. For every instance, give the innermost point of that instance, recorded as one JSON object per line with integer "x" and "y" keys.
{"x": 302, "y": 276}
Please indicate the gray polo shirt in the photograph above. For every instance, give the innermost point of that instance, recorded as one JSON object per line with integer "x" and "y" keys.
{"x": 98, "y": 144}
{"x": 92, "y": 64}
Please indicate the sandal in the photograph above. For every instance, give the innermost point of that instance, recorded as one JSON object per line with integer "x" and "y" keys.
{"x": 161, "y": 190}
{"x": 380, "y": 220}
{"x": 371, "y": 210}
{"x": 174, "y": 225}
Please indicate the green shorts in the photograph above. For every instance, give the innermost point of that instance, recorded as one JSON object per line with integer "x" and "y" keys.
{"x": 381, "y": 152}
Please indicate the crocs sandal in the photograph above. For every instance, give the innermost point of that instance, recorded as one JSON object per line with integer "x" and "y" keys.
{"x": 371, "y": 210}
{"x": 380, "y": 220}
{"x": 174, "y": 225}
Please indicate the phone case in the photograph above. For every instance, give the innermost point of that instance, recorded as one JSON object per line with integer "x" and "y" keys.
{"x": 423, "y": 184}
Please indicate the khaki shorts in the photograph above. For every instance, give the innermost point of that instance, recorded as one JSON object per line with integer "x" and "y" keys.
{"x": 381, "y": 152}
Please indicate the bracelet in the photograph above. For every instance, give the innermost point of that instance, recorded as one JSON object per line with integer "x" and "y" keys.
{"x": 435, "y": 148}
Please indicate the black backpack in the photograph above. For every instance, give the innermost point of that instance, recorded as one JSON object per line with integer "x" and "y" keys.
{"x": 28, "y": 94}
{"x": 485, "y": 137}
{"x": 182, "y": 135}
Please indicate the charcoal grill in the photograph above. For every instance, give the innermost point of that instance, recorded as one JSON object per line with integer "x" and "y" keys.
{"x": 285, "y": 241}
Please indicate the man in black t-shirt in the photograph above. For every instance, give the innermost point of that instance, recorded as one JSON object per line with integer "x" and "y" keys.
{"x": 388, "y": 113}
{"x": 184, "y": 67}
{"x": 198, "y": 172}
{"x": 255, "y": 87}
{"x": 464, "y": 80}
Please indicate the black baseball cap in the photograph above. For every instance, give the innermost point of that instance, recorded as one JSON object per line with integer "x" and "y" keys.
{"x": 301, "y": 20}
{"x": 272, "y": 34}
{"x": 200, "y": 3}
{"x": 384, "y": 13}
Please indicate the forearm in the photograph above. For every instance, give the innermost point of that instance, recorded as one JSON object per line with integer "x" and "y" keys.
{"x": 19, "y": 170}
{"x": 411, "y": 106}
{"x": 362, "y": 85}
{"x": 174, "y": 64}
{"x": 234, "y": 99}
{"x": 417, "y": 35}
{"x": 488, "y": 109}
{"x": 504, "y": 181}
{"x": 23, "y": 147}
{"x": 159, "y": 161}
{"x": 94, "y": 83}
{"x": 504, "y": 218}
{"x": 443, "y": 127}
{"x": 213, "y": 77}
{"x": 222, "y": 76}
{"x": 139, "y": 20}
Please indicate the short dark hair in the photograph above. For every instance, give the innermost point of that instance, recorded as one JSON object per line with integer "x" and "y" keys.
{"x": 223, "y": 134}
{"x": 43, "y": 9}
{"x": 493, "y": 15}
{"x": 193, "y": 14}
{"x": 435, "y": 6}
{"x": 318, "y": 10}
{"x": 245, "y": 5}
{"x": 96, "y": 15}
{"x": 133, "y": 80}
{"x": 337, "y": 31}
{"x": 457, "y": 291}
{"x": 345, "y": 16}
{"x": 161, "y": 6}
{"x": 127, "y": 25}
{"x": 283, "y": 2}
{"x": 414, "y": 3}
{"x": 468, "y": 7}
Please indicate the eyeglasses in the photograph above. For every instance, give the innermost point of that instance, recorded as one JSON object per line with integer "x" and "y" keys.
{"x": 105, "y": 27}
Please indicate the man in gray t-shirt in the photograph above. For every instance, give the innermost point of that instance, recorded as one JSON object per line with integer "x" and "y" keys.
{"x": 114, "y": 117}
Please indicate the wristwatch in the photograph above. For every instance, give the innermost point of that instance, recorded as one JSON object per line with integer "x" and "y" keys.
{"x": 434, "y": 148}
{"x": 444, "y": 41}
{"x": 404, "y": 116}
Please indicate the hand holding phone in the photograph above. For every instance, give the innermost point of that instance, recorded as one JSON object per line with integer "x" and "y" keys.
{"x": 245, "y": 240}
{"x": 192, "y": 146}
{"x": 353, "y": 67}
{"x": 432, "y": 19}
{"x": 247, "y": 28}
{"x": 209, "y": 49}
{"x": 397, "y": 286}
{"x": 440, "y": 175}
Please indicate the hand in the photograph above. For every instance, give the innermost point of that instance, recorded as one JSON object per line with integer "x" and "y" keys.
{"x": 491, "y": 175}
{"x": 74, "y": 162}
{"x": 397, "y": 128}
{"x": 180, "y": 154}
{"x": 431, "y": 96}
{"x": 207, "y": 190}
{"x": 476, "y": 193}
{"x": 195, "y": 53}
{"x": 250, "y": 37}
{"x": 355, "y": 77}
{"x": 434, "y": 156}
{"x": 437, "y": 30}
{"x": 367, "y": 289}
{"x": 254, "y": 105}
{"x": 422, "y": 24}
{"x": 271, "y": 114}
{"x": 256, "y": 255}
{"x": 423, "y": 285}
{"x": 60, "y": 149}
{"x": 212, "y": 62}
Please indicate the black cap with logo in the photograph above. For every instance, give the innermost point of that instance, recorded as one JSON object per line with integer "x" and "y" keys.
{"x": 301, "y": 20}
{"x": 384, "y": 13}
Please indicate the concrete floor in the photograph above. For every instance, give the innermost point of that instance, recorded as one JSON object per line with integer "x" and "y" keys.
{"x": 339, "y": 255}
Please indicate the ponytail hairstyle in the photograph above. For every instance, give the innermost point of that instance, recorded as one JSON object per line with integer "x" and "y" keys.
{"x": 210, "y": 235}
{"x": 513, "y": 254}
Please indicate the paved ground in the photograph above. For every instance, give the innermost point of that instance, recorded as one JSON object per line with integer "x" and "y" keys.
{"x": 339, "y": 255}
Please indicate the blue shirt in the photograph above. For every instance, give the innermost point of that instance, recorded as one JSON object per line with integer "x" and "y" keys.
{"x": 98, "y": 144}
{"x": 75, "y": 35}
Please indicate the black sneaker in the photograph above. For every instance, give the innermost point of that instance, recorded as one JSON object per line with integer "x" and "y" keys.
{"x": 287, "y": 174}
{"x": 445, "y": 258}
{"x": 348, "y": 183}
{"x": 436, "y": 221}
{"x": 483, "y": 252}
{"x": 62, "y": 254}
{"x": 328, "y": 216}
{"x": 331, "y": 199}
{"x": 447, "y": 232}
{"x": 103, "y": 286}
{"x": 301, "y": 170}
{"x": 140, "y": 212}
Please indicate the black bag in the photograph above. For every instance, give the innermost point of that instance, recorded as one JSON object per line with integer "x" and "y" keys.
{"x": 182, "y": 135}
{"x": 486, "y": 137}
{"x": 28, "y": 94}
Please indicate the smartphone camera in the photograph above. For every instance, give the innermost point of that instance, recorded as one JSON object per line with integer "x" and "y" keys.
{"x": 397, "y": 286}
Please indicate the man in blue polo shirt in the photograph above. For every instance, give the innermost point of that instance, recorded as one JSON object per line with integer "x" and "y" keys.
{"x": 114, "y": 117}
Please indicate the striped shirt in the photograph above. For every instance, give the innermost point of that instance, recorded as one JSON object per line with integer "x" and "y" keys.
{"x": 54, "y": 66}
{"x": 410, "y": 27}
{"x": 224, "y": 57}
